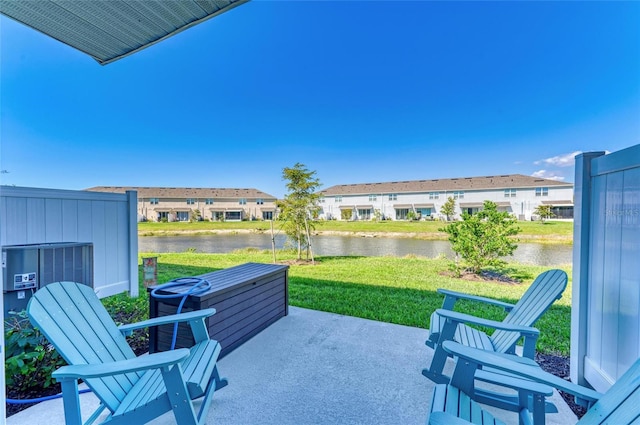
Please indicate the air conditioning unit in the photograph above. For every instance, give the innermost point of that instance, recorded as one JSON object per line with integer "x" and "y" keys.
{"x": 27, "y": 268}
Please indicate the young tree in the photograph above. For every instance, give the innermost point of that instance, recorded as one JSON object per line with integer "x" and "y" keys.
{"x": 299, "y": 206}
{"x": 544, "y": 211}
{"x": 449, "y": 208}
{"x": 482, "y": 238}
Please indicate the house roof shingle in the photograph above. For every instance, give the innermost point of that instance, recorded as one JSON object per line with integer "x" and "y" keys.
{"x": 463, "y": 183}
{"x": 185, "y": 192}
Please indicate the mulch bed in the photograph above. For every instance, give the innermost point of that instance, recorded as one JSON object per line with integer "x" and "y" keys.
{"x": 559, "y": 366}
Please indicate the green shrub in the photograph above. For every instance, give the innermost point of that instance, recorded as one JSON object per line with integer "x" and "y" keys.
{"x": 483, "y": 238}
{"x": 29, "y": 358}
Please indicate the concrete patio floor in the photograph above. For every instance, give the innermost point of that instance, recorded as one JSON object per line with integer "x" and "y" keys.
{"x": 313, "y": 367}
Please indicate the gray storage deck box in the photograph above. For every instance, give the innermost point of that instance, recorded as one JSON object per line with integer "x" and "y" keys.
{"x": 247, "y": 299}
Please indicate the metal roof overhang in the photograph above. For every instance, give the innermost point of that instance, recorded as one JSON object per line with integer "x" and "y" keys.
{"x": 562, "y": 203}
{"x": 110, "y": 30}
{"x": 423, "y": 206}
{"x": 481, "y": 204}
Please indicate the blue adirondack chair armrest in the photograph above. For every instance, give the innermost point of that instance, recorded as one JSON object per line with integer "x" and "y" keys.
{"x": 164, "y": 320}
{"x": 151, "y": 361}
{"x": 504, "y": 363}
{"x": 467, "y": 318}
{"x": 452, "y": 296}
{"x": 504, "y": 380}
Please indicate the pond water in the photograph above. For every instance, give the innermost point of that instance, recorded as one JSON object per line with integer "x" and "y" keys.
{"x": 530, "y": 253}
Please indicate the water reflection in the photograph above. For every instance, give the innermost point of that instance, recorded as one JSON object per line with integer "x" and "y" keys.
{"x": 531, "y": 253}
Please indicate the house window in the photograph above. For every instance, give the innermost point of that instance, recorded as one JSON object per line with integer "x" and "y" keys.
{"x": 542, "y": 191}
{"x": 267, "y": 215}
{"x": 434, "y": 195}
{"x": 154, "y": 201}
{"x": 191, "y": 201}
{"x": 182, "y": 215}
{"x": 242, "y": 201}
{"x": 364, "y": 214}
{"x": 233, "y": 215}
{"x": 393, "y": 196}
{"x": 373, "y": 198}
{"x": 339, "y": 198}
{"x": 260, "y": 201}
{"x": 509, "y": 193}
{"x": 402, "y": 213}
{"x": 321, "y": 199}
{"x": 208, "y": 201}
{"x": 458, "y": 195}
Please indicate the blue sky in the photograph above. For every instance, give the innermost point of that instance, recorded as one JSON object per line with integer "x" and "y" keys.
{"x": 357, "y": 91}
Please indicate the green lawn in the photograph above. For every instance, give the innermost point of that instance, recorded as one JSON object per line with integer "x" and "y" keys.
{"x": 549, "y": 232}
{"x": 389, "y": 289}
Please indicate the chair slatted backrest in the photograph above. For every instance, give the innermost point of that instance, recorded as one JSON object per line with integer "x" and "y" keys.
{"x": 544, "y": 290}
{"x": 75, "y": 322}
{"x": 619, "y": 405}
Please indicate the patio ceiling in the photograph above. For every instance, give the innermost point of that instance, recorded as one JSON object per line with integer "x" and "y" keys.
{"x": 110, "y": 30}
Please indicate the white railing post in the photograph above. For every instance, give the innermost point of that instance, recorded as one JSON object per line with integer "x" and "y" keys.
{"x": 580, "y": 278}
{"x": 132, "y": 200}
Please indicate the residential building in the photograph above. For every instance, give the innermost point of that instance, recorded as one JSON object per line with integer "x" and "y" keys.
{"x": 515, "y": 193}
{"x": 181, "y": 203}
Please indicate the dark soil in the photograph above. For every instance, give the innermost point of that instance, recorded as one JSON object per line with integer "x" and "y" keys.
{"x": 559, "y": 366}
{"x": 484, "y": 276}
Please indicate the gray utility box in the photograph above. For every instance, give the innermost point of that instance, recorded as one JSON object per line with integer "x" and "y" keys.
{"x": 27, "y": 268}
{"x": 247, "y": 299}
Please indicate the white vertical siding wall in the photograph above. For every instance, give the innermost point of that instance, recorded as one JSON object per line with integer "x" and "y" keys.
{"x": 605, "y": 328}
{"x": 108, "y": 220}
{"x": 524, "y": 203}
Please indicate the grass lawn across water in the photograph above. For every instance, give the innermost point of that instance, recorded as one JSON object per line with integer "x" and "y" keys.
{"x": 388, "y": 289}
{"x": 548, "y": 232}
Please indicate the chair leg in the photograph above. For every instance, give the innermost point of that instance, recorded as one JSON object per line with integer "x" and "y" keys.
{"x": 220, "y": 382}
{"x": 181, "y": 404}
{"x": 434, "y": 372}
{"x": 71, "y": 402}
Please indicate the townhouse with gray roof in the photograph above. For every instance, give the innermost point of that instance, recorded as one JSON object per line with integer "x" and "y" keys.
{"x": 181, "y": 203}
{"x": 401, "y": 200}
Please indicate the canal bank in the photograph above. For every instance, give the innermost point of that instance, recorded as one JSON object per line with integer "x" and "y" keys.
{"x": 550, "y": 232}
{"x": 340, "y": 245}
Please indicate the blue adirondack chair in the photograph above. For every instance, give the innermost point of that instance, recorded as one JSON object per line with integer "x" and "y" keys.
{"x": 134, "y": 389}
{"x": 453, "y": 403}
{"x": 447, "y": 325}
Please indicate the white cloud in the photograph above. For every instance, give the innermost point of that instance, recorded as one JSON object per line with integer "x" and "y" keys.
{"x": 545, "y": 174}
{"x": 566, "y": 160}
